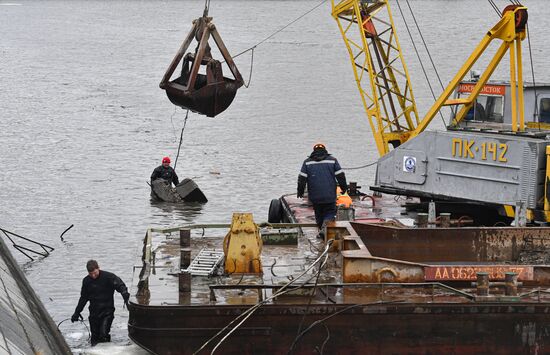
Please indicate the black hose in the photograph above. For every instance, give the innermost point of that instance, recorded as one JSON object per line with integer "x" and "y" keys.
{"x": 65, "y": 231}
{"x": 81, "y": 320}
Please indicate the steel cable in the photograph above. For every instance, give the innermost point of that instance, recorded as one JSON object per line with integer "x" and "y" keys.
{"x": 419, "y": 58}
{"x": 495, "y": 7}
{"x": 282, "y": 28}
{"x": 310, "y": 298}
{"x": 320, "y": 321}
{"x": 281, "y": 291}
{"x": 246, "y": 314}
{"x": 246, "y": 85}
{"x": 181, "y": 138}
{"x": 362, "y": 166}
{"x": 532, "y": 70}
{"x": 425, "y": 45}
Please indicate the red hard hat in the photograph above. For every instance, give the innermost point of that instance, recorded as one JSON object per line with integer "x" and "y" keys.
{"x": 165, "y": 160}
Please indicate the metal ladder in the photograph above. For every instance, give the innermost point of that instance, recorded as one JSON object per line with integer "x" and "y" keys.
{"x": 205, "y": 262}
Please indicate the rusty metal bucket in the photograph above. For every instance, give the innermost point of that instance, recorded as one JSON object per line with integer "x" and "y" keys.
{"x": 208, "y": 94}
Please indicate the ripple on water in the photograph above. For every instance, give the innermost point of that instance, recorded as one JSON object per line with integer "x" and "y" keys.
{"x": 84, "y": 122}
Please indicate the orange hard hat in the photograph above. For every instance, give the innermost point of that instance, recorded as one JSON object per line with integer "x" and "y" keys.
{"x": 319, "y": 145}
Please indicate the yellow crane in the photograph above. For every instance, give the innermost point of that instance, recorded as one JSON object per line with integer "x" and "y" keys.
{"x": 383, "y": 80}
{"x": 379, "y": 69}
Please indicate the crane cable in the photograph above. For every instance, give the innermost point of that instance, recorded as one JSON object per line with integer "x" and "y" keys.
{"x": 425, "y": 45}
{"x": 282, "y": 28}
{"x": 181, "y": 138}
{"x": 362, "y": 166}
{"x": 206, "y": 7}
{"x": 532, "y": 71}
{"x": 418, "y": 56}
{"x": 495, "y": 7}
{"x": 246, "y": 85}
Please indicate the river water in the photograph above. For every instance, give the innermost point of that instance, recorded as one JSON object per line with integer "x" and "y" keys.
{"x": 83, "y": 122}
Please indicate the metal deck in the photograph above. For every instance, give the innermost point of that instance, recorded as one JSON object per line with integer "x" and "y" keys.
{"x": 367, "y": 287}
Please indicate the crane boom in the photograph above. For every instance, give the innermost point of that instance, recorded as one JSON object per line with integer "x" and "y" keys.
{"x": 383, "y": 81}
{"x": 380, "y": 72}
{"x": 511, "y": 31}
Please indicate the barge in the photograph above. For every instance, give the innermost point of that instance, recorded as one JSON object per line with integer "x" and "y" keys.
{"x": 379, "y": 284}
{"x": 449, "y": 255}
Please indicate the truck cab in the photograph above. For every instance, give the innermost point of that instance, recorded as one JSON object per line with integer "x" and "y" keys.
{"x": 492, "y": 109}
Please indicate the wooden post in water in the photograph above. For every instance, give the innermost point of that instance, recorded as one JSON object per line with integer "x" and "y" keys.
{"x": 185, "y": 281}
{"x": 184, "y": 277}
{"x": 185, "y": 238}
{"x": 185, "y": 248}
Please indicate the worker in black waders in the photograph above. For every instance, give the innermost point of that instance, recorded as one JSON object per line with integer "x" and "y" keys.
{"x": 319, "y": 172}
{"x": 98, "y": 288}
{"x": 165, "y": 172}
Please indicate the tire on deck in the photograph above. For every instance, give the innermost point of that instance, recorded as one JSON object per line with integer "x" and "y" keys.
{"x": 275, "y": 214}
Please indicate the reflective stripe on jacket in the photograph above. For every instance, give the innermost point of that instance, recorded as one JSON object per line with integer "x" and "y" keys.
{"x": 320, "y": 173}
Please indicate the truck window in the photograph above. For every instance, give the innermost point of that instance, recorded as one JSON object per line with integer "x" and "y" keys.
{"x": 488, "y": 108}
{"x": 494, "y": 109}
{"x": 544, "y": 110}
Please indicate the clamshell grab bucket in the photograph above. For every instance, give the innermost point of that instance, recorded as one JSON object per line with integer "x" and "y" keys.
{"x": 208, "y": 94}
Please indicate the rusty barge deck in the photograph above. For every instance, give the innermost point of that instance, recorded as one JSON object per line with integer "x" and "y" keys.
{"x": 375, "y": 285}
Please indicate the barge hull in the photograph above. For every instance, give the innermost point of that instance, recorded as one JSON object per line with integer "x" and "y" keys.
{"x": 347, "y": 329}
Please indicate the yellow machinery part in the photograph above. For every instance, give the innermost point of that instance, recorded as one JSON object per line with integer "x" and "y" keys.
{"x": 382, "y": 77}
{"x": 511, "y": 31}
{"x": 242, "y": 246}
{"x": 379, "y": 68}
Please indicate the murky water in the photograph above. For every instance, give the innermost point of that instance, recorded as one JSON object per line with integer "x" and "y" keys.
{"x": 83, "y": 122}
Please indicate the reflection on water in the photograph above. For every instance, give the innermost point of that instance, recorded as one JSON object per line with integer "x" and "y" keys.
{"x": 84, "y": 122}
{"x": 188, "y": 211}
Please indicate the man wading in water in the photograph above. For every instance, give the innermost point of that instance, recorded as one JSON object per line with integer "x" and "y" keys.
{"x": 98, "y": 288}
{"x": 165, "y": 172}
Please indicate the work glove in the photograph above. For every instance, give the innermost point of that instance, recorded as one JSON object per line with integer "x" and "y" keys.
{"x": 74, "y": 317}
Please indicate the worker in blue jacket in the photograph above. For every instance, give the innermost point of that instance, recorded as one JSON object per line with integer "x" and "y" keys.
{"x": 319, "y": 172}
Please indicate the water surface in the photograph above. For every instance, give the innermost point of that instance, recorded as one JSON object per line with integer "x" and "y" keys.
{"x": 83, "y": 122}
